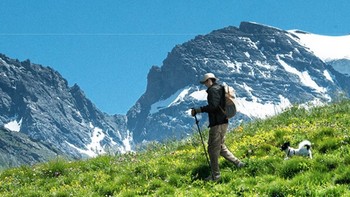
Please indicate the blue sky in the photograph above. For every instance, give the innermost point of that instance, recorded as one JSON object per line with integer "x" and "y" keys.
{"x": 108, "y": 46}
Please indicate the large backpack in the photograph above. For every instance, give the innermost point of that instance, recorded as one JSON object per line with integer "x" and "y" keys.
{"x": 230, "y": 109}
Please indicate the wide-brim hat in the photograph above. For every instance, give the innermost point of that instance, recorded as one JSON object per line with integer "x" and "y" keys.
{"x": 208, "y": 76}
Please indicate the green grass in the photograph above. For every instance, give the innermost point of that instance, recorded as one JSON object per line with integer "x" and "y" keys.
{"x": 177, "y": 168}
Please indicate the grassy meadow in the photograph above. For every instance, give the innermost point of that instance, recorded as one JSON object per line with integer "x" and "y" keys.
{"x": 177, "y": 168}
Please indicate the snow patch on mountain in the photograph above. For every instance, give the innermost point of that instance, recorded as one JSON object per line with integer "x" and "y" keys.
{"x": 254, "y": 109}
{"x": 236, "y": 66}
{"x": 14, "y": 125}
{"x": 94, "y": 148}
{"x": 328, "y": 76}
{"x": 327, "y": 48}
{"x": 174, "y": 99}
{"x": 127, "y": 143}
{"x": 249, "y": 42}
{"x": 304, "y": 76}
{"x": 265, "y": 65}
{"x": 97, "y": 136}
{"x": 86, "y": 152}
{"x": 200, "y": 95}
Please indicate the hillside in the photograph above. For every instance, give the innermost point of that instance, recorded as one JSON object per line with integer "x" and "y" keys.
{"x": 177, "y": 168}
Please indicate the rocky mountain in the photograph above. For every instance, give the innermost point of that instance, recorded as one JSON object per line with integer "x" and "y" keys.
{"x": 270, "y": 69}
{"x": 42, "y": 117}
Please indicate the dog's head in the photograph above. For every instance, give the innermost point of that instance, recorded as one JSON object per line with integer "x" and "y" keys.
{"x": 285, "y": 146}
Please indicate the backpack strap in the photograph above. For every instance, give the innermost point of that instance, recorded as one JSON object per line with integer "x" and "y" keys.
{"x": 223, "y": 100}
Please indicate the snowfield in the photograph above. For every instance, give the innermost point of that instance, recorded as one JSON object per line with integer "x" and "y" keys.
{"x": 327, "y": 48}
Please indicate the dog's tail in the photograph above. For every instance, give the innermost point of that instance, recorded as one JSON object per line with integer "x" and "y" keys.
{"x": 306, "y": 143}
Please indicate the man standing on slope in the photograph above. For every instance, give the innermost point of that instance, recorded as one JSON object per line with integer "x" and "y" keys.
{"x": 218, "y": 124}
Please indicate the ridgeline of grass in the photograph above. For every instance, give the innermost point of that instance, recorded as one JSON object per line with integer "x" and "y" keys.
{"x": 178, "y": 168}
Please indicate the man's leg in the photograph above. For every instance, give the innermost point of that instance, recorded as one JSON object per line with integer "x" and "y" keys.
{"x": 214, "y": 147}
{"x": 225, "y": 152}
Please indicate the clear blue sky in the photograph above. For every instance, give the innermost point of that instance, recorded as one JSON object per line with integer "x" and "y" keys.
{"x": 108, "y": 46}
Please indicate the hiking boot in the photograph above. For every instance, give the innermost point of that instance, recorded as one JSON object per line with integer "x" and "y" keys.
{"x": 240, "y": 164}
{"x": 212, "y": 178}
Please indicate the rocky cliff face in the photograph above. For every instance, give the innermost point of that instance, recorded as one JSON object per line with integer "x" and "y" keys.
{"x": 37, "y": 102}
{"x": 267, "y": 66}
{"x": 18, "y": 149}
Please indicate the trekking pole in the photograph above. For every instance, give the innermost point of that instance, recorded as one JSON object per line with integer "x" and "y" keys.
{"x": 205, "y": 150}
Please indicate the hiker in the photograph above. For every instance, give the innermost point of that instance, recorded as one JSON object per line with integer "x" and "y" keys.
{"x": 218, "y": 124}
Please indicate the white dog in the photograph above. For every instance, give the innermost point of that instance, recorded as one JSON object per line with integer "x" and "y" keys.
{"x": 303, "y": 150}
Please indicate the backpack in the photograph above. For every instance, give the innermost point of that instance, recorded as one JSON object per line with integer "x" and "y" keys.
{"x": 230, "y": 109}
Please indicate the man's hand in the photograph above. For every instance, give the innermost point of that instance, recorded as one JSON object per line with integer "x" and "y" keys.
{"x": 195, "y": 111}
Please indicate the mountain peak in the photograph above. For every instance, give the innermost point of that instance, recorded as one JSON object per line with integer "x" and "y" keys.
{"x": 51, "y": 114}
{"x": 267, "y": 66}
{"x": 256, "y": 28}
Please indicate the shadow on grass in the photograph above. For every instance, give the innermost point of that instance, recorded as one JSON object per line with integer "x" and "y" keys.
{"x": 203, "y": 170}
{"x": 200, "y": 173}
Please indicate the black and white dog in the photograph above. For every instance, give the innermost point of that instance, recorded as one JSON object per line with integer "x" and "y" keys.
{"x": 303, "y": 150}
